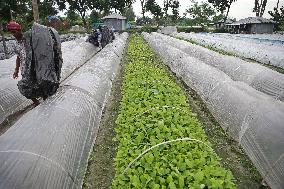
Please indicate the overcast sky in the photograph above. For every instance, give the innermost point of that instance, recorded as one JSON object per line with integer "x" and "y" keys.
{"x": 239, "y": 9}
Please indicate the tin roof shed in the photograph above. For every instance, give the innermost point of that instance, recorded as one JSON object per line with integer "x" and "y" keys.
{"x": 114, "y": 16}
{"x": 115, "y": 21}
{"x": 253, "y": 25}
{"x": 253, "y": 20}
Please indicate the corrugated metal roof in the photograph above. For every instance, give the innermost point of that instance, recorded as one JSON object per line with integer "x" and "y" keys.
{"x": 253, "y": 20}
{"x": 115, "y": 16}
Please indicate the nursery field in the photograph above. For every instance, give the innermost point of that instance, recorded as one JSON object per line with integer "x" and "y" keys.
{"x": 151, "y": 111}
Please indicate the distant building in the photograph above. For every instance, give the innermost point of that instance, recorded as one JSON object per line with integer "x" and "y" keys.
{"x": 116, "y": 21}
{"x": 252, "y": 25}
{"x": 220, "y": 23}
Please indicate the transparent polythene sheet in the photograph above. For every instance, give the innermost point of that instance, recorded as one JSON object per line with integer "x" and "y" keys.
{"x": 49, "y": 146}
{"x": 7, "y": 67}
{"x": 261, "y": 52}
{"x": 10, "y": 45}
{"x": 257, "y": 76}
{"x": 169, "y": 30}
{"x": 274, "y": 39}
{"x": 74, "y": 53}
{"x": 252, "y": 118}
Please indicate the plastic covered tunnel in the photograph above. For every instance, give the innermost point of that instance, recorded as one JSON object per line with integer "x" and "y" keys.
{"x": 253, "y": 118}
{"x": 264, "y": 52}
{"x": 49, "y": 146}
{"x": 255, "y": 75}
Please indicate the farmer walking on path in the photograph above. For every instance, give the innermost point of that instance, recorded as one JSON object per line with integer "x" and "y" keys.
{"x": 39, "y": 58}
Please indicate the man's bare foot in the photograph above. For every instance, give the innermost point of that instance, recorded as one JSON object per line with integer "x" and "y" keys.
{"x": 35, "y": 102}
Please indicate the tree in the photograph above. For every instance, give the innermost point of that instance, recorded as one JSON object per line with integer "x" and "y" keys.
{"x": 201, "y": 13}
{"x": 166, "y": 7}
{"x": 35, "y": 10}
{"x": 61, "y": 4}
{"x": 277, "y": 4}
{"x": 81, "y": 6}
{"x": 46, "y": 8}
{"x": 146, "y": 20}
{"x": 222, "y": 5}
{"x": 73, "y": 18}
{"x": 175, "y": 6}
{"x": 259, "y": 7}
{"x": 143, "y": 2}
{"x": 95, "y": 16}
{"x": 121, "y": 5}
{"x": 12, "y": 8}
{"x": 129, "y": 14}
{"x": 154, "y": 9}
{"x": 21, "y": 11}
{"x": 103, "y": 6}
{"x": 278, "y": 17}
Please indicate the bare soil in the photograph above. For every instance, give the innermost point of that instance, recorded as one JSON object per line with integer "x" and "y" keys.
{"x": 100, "y": 170}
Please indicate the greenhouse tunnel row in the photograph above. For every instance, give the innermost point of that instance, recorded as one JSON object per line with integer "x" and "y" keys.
{"x": 255, "y": 75}
{"x": 249, "y": 116}
{"x": 49, "y": 146}
{"x": 271, "y": 53}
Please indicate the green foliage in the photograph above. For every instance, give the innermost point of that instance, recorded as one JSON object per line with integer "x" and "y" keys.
{"x": 175, "y": 6}
{"x": 95, "y": 16}
{"x": 144, "y": 21}
{"x": 103, "y": 6}
{"x": 21, "y": 11}
{"x": 259, "y": 7}
{"x": 154, "y": 9}
{"x": 201, "y": 13}
{"x": 278, "y": 17}
{"x": 73, "y": 18}
{"x": 81, "y": 7}
{"x": 161, "y": 15}
{"x": 154, "y": 109}
{"x": 46, "y": 8}
{"x": 167, "y": 4}
{"x": 121, "y": 5}
{"x": 221, "y": 5}
{"x": 129, "y": 14}
{"x": 14, "y": 7}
